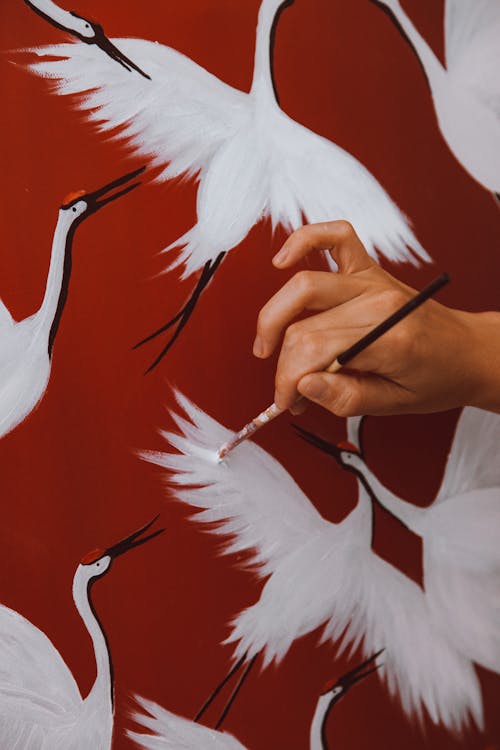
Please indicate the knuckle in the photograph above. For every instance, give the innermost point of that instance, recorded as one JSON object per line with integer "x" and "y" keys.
{"x": 309, "y": 344}
{"x": 344, "y": 229}
{"x": 402, "y": 338}
{"x": 300, "y": 234}
{"x": 292, "y": 336}
{"x": 389, "y": 300}
{"x": 304, "y": 282}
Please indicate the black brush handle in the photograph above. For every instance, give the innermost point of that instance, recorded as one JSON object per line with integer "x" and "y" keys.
{"x": 391, "y": 321}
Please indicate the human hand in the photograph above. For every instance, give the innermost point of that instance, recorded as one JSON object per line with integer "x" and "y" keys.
{"x": 432, "y": 360}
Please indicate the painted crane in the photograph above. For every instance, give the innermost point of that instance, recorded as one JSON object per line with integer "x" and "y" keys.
{"x": 26, "y": 347}
{"x": 250, "y": 159}
{"x": 466, "y": 93}
{"x": 41, "y": 707}
{"x": 359, "y": 599}
{"x": 83, "y": 29}
{"x": 460, "y": 533}
{"x": 171, "y": 732}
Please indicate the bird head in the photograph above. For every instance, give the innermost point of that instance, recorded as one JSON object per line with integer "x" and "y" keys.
{"x": 336, "y": 689}
{"x": 348, "y": 455}
{"x": 78, "y": 205}
{"x": 96, "y": 563}
{"x": 84, "y": 29}
{"x": 91, "y": 32}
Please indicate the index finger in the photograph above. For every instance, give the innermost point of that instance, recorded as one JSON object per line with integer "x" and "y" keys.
{"x": 338, "y": 237}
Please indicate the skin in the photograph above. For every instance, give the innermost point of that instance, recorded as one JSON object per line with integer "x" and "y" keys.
{"x": 435, "y": 359}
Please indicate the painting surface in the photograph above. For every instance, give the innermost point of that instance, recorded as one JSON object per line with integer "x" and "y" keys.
{"x": 72, "y": 468}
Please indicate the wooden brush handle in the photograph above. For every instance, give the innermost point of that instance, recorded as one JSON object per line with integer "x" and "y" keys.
{"x": 334, "y": 366}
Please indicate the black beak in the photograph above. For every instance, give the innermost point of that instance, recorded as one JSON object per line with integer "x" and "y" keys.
{"x": 99, "y": 198}
{"x": 360, "y": 672}
{"x": 114, "y": 53}
{"x": 357, "y": 674}
{"x": 134, "y": 540}
{"x": 323, "y": 445}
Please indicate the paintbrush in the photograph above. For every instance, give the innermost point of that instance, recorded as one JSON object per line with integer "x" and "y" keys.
{"x": 273, "y": 411}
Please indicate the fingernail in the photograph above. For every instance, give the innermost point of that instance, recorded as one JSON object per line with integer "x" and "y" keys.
{"x": 258, "y": 347}
{"x": 314, "y": 389}
{"x": 280, "y": 257}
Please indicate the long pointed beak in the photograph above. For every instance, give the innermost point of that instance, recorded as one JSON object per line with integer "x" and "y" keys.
{"x": 114, "y": 53}
{"x": 359, "y": 673}
{"x": 323, "y": 445}
{"x": 105, "y": 195}
{"x": 134, "y": 540}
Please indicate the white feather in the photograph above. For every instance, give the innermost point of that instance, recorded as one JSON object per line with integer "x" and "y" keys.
{"x": 249, "y": 494}
{"x": 466, "y": 93}
{"x": 176, "y": 732}
{"x": 320, "y": 573}
{"x": 251, "y": 159}
{"x": 461, "y": 536}
{"x": 473, "y": 462}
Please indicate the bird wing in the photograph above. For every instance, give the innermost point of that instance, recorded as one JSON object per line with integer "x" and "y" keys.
{"x": 6, "y": 319}
{"x": 177, "y": 119}
{"x": 31, "y": 666}
{"x": 420, "y": 667}
{"x": 176, "y": 732}
{"x": 248, "y": 495}
{"x": 462, "y": 572}
{"x": 315, "y": 179}
{"x": 474, "y": 459}
{"x": 472, "y": 31}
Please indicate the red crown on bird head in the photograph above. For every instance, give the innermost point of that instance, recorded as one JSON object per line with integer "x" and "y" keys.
{"x": 73, "y": 196}
{"x": 92, "y": 557}
{"x": 345, "y": 445}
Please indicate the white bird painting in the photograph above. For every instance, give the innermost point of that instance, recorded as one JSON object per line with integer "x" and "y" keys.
{"x": 466, "y": 93}
{"x": 251, "y": 160}
{"x": 83, "y": 29}
{"x": 41, "y": 707}
{"x": 461, "y": 536}
{"x": 317, "y": 573}
{"x": 26, "y": 346}
{"x": 169, "y": 731}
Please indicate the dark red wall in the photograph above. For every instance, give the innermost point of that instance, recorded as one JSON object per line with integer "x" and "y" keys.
{"x": 70, "y": 479}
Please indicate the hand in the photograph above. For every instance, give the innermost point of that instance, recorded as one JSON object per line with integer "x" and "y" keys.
{"x": 436, "y": 358}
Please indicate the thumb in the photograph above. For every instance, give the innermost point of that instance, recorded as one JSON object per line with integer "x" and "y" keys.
{"x": 354, "y": 394}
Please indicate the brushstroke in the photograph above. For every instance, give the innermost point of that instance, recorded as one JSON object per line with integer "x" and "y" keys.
{"x": 26, "y": 347}
{"x": 461, "y": 536}
{"x": 317, "y": 573}
{"x": 466, "y": 93}
{"x": 41, "y": 707}
{"x": 250, "y": 159}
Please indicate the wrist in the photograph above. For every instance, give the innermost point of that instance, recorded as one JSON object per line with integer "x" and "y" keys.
{"x": 481, "y": 357}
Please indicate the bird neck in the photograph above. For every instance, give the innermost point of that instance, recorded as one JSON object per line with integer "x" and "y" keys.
{"x": 317, "y": 735}
{"x": 431, "y": 65}
{"x": 103, "y": 689}
{"x": 51, "y": 12}
{"x": 49, "y": 315}
{"x": 408, "y": 514}
{"x": 263, "y": 87}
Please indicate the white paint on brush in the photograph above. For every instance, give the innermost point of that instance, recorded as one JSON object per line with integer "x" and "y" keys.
{"x": 318, "y": 573}
{"x": 250, "y": 159}
{"x": 466, "y": 94}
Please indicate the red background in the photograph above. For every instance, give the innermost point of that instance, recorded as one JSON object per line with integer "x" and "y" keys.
{"x": 70, "y": 480}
